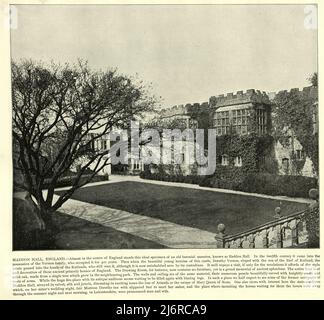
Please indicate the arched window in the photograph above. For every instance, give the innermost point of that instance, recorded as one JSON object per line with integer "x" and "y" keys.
{"x": 238, "y": 161}
{"x": 285, "y": 165}
{"x": 299, "y": 154}
{"x": 225, "y": 160}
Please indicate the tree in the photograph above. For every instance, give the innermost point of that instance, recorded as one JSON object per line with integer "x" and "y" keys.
{"x": 160, "y": 124}
{"x": 293, "y": 118}
{"x": 58, "y": 114}
{"x": 313, "y": 79}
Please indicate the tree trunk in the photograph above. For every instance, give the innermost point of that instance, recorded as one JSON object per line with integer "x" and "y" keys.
{"x": 45, "y": 235}
{"x": 29, "y": 226}
{"x": 46, "y": 216}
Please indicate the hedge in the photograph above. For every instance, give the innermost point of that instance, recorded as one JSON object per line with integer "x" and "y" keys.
{"x": 193, "y": 179}
{"x": 291, "y": 186}
{"x": 236, "y": 179}
{"x": 266, "y": 183}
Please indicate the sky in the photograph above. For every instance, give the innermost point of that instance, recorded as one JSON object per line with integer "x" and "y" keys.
{"x": 187, "y": 52}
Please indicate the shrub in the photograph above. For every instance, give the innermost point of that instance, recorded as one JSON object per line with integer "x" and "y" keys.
{"x": 193, "y": 179}
{"x": 235, "y": 178}
{"x": 264, "y": 183}
{"x": 224, "y": 178}
{"x": 206, "y": 181}
{"x": 291, "y": 186}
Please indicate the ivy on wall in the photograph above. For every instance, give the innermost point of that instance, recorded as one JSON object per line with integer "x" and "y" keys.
{"x": 249, "y": 147}
{"x": 293, "y": 119}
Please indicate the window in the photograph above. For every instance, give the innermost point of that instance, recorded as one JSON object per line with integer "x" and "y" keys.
{"x": 285, "y": 165}
{"x": 239, "y": 121}
{"x": 261, "y": 120}
{"x": 172, "y": 153}
{"x": 238, "y": 162}
{"x": 244, "y": 130}
{"x": 222, "y": 122}
{"x": 299, "y": 154}
{"x": 225, "y": 160}
{"x": 136, "y": 165}
{"x": 103, "y": 145}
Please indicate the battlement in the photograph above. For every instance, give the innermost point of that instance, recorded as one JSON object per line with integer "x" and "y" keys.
{"x": 310, "y": 92}
{"x": 231, "y": 98}
{"x": 183, "y": 110}
{"x": 240, "y": 97}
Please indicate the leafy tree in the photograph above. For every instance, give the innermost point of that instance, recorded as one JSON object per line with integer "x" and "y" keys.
{"x": 160, "y": 124}
{"x": 313, "y": 79}
{"x": 58, "y": 114}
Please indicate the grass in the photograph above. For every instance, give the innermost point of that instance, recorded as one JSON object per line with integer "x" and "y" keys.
{"x": 68, "y": 232}
{"x": 189, "y": 207}
{"x": 78, "y": 234}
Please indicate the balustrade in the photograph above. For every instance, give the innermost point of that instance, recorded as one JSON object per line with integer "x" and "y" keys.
{"x": 284, "y": 232}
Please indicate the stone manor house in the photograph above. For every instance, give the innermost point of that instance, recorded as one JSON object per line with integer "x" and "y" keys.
{"x": 239, "y": 114}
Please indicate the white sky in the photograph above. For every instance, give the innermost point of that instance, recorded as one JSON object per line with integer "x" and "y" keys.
{"x": 189, "y": 53}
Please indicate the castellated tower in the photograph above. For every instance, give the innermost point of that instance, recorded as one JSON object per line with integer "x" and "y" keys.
{"x": 241, "y": 113}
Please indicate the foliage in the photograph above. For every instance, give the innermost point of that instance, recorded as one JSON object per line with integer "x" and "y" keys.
{"x": 58, "y": 113}
{"x": 253, "y": 176}
{"x": 265, "y": 183}
{"x": 202, "y": 114}
{"x": 160, "y": 124}
{"x": 293, "y": 119}
{"x": 163, "y": 174}
{"x": 248, "y": 147}
{"x": 313, "y": 79}
{"x": 286, "y": 185}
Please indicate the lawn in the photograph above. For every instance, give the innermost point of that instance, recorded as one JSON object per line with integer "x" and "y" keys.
{"x": 78, "y": 234}
{"x": 189, "y": 207}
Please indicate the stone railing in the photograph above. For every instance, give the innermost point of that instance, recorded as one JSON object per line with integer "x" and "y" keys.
{"x": 284, "y": 232}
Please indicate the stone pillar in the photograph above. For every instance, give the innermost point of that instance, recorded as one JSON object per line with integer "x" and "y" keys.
{"x": 312, "y": 220}
{"x": 294, "y": 235}
{"x": 265, "y": 240}
{"x": 220, "y": 236}
{"x": 277, "y": 213}
{"x": 279, "y": 240}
